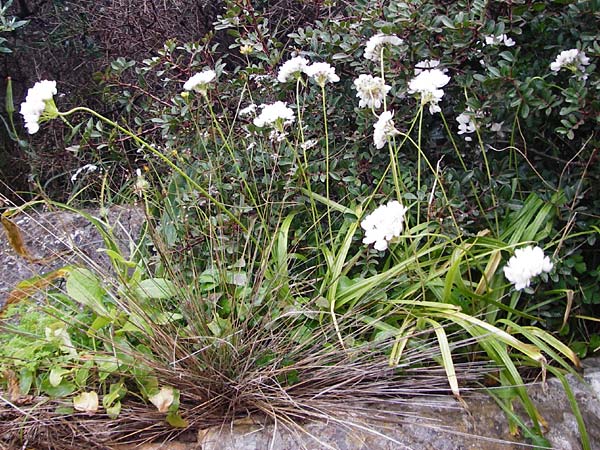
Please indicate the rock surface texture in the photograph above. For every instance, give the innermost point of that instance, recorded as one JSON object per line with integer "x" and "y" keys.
{"x": 56, "y": 239}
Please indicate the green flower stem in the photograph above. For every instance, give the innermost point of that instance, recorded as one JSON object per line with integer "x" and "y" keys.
{"x": 435, "y": 172}
{"x": 419, "y": 151}
{"x": 303, "y": 165}
{"x": 394, "y": 166}
{"x": 489, "y": 176}
{"x": 166, "y": 160}
{"x": 232, "y": 155}
{"x": 464, "y": 166}
{"x": 326, "y": 161}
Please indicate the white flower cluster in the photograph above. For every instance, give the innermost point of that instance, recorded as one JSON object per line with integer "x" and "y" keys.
{"x": 527, "y": 263}
{"x": 276, "y": 115}
{"x": 500, "y": 39}
{"x": 200, "y": 81}
{"x": 292, "y": 69}
{"x": 466, "y": 125}
{"x": 384, "y": 128}
{"x": 573, "y": 59}
{"x": 35, "y": 104}
{"x": 248, "y": 110}
{"x": 428, "y": 85}
{"x": 384, "y": 224}
{"x": 371, "y": 91}
{"x": 377, "y": 42}
{"x": 321, "y": 73}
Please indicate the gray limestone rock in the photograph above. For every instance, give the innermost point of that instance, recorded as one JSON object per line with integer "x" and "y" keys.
{"x": 60, "y": 238}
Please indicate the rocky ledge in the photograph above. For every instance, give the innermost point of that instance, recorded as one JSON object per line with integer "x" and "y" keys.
{"x": 439, "y": 423}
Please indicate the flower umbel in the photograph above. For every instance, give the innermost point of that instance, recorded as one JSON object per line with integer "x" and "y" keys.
{"x": 527, "y": 263}
{"x": 274, "y": 115}
{"x": 292, "y": 69}
{"x": 371, "y": 91}
{"x": 39, "y": 105}
{"x": 200, "y": 81}
{"x": 377, "y": 42}
{"x": 384, "y": 224}
{"x": 427, "y": 84}
{"x": 384, "y": 128}
{"x": 574, "y": 60}
{"x": 322, "y": 73}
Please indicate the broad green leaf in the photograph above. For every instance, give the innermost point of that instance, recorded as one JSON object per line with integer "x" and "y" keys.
{"x": 446, "y": 356}
{"x": 25, "y": 380}
{"x": 114, "y": 411}
{"x": 175, "y": 420}
{"x": 116, "y": 392}
{"x": 156, "y": 288}
{"x": 56, "y": 375}
{"x": 85, "y": 288}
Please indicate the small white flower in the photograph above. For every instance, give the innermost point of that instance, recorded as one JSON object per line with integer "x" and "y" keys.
{"x": 384, "y": 224}
{"x": 39, "y": 100}
{"x": 200, "y": 81}
{"x": 88, "y": 168}
{"x": 384, "y": 128}
{"x": 496, "y": 127}
{"x": 426, "y": 64}
{"x": 377, "y": 42}
{"x": 321, "y": 73}
{"x": 274, "y": 115}
{"x": 500, "y": 39}
{"x": 466, "y": 125}
{"x": 526, "y": 263}
{"x": 574, "y": 60}
{"x": 427, "y": 84}
{"x": 371, "y": 91}
{"x": 292, "y": 69}
{"x": 163, "y": 399}
{"x": 248, "y": 110}
{"x": 309, "y": 144}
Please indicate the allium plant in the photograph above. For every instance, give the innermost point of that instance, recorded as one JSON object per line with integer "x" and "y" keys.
{"x": 384, "y": 224}
{"x": 200, "y": 81}
{"x": 384, "y": 129}
{"x": 574, "y": 60}
{"x": 527, "y": 263}
{"x": 371, "y": 91}
{"x": 321, "y": 73}
{"x": 377, "y": 43}
{"x": 260, "y": 258}
{"x": 39, "y": 105}
{"x": 428, "y": 85}
{"x": 292, "y": 69}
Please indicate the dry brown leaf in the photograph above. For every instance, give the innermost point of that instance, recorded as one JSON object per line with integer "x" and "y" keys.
{"x": 28, "y": 287}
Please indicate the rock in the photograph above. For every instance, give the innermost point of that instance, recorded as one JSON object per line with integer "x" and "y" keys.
{"x": 437, "y": 423}
{"x": 60, "y": 238}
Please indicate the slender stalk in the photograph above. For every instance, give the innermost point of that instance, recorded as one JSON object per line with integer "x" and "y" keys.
{"x": 419, "y": 151}
{"x": 155, "y": 152}
{"x": 326, "y": 161}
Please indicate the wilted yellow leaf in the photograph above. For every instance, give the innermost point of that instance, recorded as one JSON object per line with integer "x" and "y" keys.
{"x": 86, "y": 402}
{"x": 163, "y": 399}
